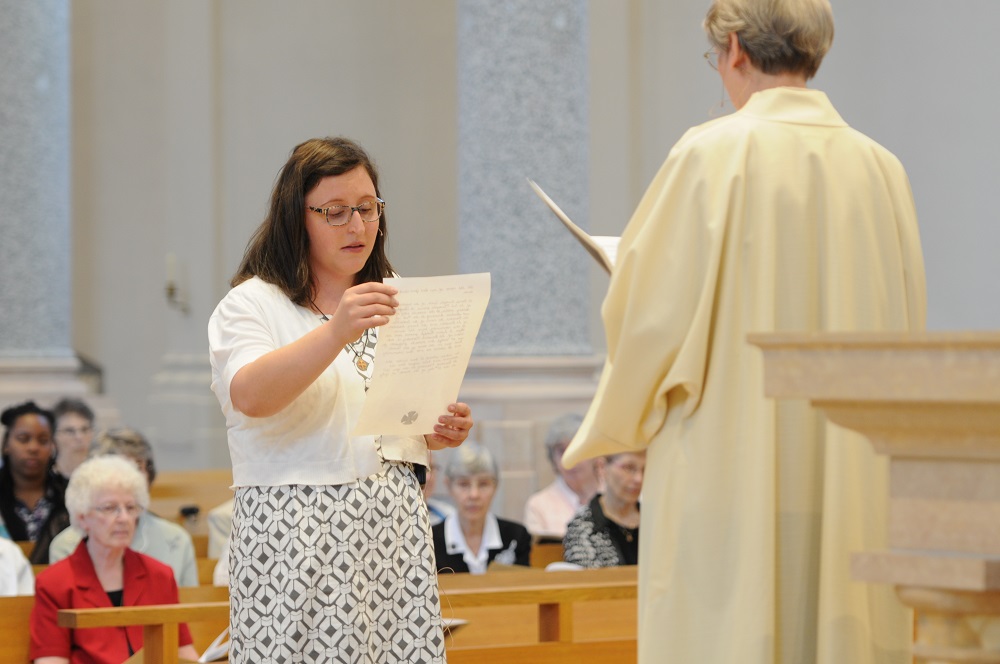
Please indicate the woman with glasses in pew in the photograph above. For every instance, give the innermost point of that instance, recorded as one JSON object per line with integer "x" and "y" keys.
{"x": 155, "y": 536}
{"x": 105, "y": 497}
{"x": 605, "y": 533}
{"x": 473, "y": 537}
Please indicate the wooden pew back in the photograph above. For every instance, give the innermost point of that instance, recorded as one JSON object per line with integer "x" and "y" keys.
{"x": 537, "y": 616}
{"x": 15, "y": 616}
{"x": 15, "y": 637}
{"x": 553, "y": 617}
{"x": 205, "y": 489}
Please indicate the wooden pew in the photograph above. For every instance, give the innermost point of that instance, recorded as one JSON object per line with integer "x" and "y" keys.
{"x": 205, "y": 489}
{"x": 14, "y": 628}
{"x": 159, "y": 624}
{"x": 544, "y": 553}
{"x": 552, "y": 600}
{"x": 15, "y": 615}
{"x": 26, "y": 547}
{"x": 537, "y": 616}
{"x": 206, "y": 570}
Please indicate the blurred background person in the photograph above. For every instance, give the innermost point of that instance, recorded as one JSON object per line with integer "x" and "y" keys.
{"x": 154, "y": 536}
{"x": 547, "y": 512}
{"x": 437, "y": 509}
{"x": 105, "y": 496}
{"x": 31, "y": 494}
{"x": 605, "y": 533}
{"x": 473, "y": 537}
{"x": 16, "y": 576}
{"x": 220, "y": 525}
{"x": 74, "y": 434}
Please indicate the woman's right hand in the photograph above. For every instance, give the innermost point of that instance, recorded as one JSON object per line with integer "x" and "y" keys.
{"x": 272, "y": 381}
{"x": 362, "y": 307}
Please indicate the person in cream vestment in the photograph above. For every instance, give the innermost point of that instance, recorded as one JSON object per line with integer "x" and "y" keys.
{"x": 778, "y": 217}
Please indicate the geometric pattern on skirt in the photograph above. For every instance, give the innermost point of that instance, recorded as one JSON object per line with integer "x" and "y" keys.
{"x": 341, "y": 573}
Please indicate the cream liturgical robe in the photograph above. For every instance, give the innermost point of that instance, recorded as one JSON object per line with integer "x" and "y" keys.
{"x": 777, "y": 217}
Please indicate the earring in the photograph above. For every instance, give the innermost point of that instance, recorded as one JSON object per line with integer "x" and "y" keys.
{"x": 380, "y": 232}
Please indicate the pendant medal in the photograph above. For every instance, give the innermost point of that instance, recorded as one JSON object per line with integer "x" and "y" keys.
{"x": 361, "y": 364}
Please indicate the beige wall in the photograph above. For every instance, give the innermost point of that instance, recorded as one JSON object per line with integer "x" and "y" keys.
{"x": 183, "y": 111}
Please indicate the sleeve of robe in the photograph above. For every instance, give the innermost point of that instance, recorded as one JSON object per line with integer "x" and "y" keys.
{"x": 666, "y": 271}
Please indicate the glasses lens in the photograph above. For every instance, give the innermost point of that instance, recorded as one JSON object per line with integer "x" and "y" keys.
{"x": 337, "y": 215}
{"x": 370, "y": 210}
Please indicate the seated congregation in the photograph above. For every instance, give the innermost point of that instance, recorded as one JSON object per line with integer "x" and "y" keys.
{"x": 84, "y": 520}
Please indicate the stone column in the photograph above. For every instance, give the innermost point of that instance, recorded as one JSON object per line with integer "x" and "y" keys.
{"x": 187, "y": 422}
{"x": 36, "y": 356}
{"x": 523, "y": 113}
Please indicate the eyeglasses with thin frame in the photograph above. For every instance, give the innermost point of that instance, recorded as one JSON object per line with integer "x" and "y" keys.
{"x": 339, "y": 215}
{"x": 111, "y": 510}
{"x": 712, "y": 58}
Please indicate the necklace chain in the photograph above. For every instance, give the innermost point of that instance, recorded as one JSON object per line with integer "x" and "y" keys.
{"x": 627, "y": 532}
{"x": 363, "y": 349}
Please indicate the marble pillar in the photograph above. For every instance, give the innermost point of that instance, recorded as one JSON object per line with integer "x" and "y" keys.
{"x": 36, "y": 356}
{"x": 523, "y": 113}
{"x": 186, "y": 420}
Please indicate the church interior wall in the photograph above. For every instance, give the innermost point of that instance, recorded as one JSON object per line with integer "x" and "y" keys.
{"x": 182, "y": 114}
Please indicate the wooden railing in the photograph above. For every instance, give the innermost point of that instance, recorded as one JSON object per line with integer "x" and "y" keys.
{"x": 536, "y": 616}
{"x": 521, "y": 616}
{"x": 159, "y": 624}
{"x": 204, "y": 489}
{"x": 15, "y": 613}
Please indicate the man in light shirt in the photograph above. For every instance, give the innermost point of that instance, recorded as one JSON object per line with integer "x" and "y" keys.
{"x": 548, "y": 511}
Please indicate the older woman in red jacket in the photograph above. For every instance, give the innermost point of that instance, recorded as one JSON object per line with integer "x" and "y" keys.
{"x": 105, "y": 497}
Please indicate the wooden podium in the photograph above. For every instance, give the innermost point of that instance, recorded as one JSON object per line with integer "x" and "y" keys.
{"x": 931, "y": 403}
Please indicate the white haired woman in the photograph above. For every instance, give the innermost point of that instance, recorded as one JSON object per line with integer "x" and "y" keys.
{"x": 154, "y": 536}
{"x": 105, "y": 497}
{"x": 473, "y": 537}
{"x": 778, "y": 217}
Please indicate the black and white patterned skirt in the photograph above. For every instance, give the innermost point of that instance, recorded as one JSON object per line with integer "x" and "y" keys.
{"x": 339, "y": 573}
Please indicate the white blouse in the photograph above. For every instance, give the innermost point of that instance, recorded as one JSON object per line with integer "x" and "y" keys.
{"x": 309, "y": 441}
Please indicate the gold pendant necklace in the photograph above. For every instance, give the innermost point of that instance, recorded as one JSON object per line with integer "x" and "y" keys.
{"x": 362, "y": 349}
{"x": 359, "y": 355}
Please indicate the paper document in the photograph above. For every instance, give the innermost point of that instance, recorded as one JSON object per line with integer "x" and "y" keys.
{"x": 423, "y": 352}
{"x": 603, "y": 248}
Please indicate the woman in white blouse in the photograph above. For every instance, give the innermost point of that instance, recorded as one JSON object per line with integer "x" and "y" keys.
{"x": 330, "y": 553}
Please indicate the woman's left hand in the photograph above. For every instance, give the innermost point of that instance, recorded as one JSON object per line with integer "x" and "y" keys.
{"x": 452, "y": 429}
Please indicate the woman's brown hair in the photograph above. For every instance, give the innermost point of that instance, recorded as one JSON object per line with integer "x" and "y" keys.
{"x": 278, "y": 251}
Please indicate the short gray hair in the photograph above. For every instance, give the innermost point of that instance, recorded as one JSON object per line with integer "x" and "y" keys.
{"x": 562, "y": 430}
{"x": 777, "y": 35}
{"x": 471, "y": 459}
{"x": 100, "y": 474}
{"x": 125, "y": 442}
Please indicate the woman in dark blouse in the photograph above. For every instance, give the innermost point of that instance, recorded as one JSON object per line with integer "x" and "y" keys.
{"x": 605, "y": 533}
{"x": 473, "y": 537}
{"x": 31, "y": 494}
